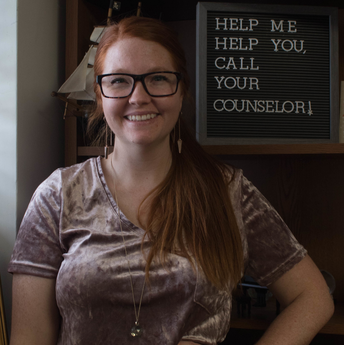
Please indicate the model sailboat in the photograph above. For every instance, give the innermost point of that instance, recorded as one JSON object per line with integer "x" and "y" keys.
{"x": 80, "y": 85}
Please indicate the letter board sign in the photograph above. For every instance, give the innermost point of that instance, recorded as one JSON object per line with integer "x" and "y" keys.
{"x": 266, "y": 74}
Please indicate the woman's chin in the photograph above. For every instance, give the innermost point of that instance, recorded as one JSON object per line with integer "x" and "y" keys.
{"x": 149, "y": 142}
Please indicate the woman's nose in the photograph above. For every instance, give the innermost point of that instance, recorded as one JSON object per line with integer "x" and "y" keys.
{"x": 139, "y": 94}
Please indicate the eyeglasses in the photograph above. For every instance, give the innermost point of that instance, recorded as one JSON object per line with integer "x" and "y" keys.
{"x": 156, "y": 84}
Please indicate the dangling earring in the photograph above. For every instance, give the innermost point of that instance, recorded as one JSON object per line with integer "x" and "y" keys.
{"x": 179, "y": 142}
{"x": 106, "y": 147}
{"x": 173, "y": 135}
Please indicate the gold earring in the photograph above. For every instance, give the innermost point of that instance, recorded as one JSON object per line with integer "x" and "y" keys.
{"x": 179, "y": 142}
{"x": 173, "y": 136}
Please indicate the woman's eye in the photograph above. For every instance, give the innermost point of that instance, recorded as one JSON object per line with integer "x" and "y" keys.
{"x": 118, "y": 81}
{"x": 159, "y": 78}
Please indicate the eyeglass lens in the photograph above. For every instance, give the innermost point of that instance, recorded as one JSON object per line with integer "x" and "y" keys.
{"x": 157, "y": 84}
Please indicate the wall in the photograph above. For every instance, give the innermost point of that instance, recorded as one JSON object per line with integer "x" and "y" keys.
{"x": 32, "y": 54}
{"x": 8, "y": 114}
{"x": 40, "y": 71}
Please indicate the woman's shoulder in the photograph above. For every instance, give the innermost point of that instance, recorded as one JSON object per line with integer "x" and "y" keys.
{"x": 232, "y": 174}
{"x": 88, "y": 166}
{"x": 68, "y": 180}
{"x": 74, "y": 174}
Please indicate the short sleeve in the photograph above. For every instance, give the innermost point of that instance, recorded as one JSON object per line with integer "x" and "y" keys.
{"x": 271, "y": 248}
{"x": 37, "y": 250}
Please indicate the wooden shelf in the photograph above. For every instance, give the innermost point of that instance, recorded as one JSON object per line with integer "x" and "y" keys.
{"x": 280, "y": 149}
{"x": 261, "y": 318}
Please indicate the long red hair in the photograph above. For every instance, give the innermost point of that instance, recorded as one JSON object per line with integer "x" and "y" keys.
{"x": 190, "y": 210}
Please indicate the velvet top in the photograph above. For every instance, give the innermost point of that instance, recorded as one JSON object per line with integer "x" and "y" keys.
{"x": 71, "y": 233}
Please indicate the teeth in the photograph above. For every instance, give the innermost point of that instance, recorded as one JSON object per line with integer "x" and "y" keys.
{"x": 141, "y": 117}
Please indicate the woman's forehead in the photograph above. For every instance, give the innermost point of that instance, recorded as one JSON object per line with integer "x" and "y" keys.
{"x": 136, "y": 53}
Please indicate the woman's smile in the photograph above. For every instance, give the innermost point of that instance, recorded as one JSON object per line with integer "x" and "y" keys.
{"x": 140, "y": 118}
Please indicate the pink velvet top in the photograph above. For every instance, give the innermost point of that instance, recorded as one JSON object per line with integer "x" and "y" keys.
{"x": 71, "y": 233}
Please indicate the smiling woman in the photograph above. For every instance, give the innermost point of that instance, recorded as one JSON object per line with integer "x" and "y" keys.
{"x": 150, "y": 242}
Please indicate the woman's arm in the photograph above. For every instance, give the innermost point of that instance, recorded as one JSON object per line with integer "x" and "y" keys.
{"x": 35, "y": 316}
{"x": 303, "y": 293}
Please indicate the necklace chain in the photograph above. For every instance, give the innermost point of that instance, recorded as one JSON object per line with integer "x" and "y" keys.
{"x": 137, "y": 311}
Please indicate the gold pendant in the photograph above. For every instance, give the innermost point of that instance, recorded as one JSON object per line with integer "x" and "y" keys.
{"x": 136, "y": 331}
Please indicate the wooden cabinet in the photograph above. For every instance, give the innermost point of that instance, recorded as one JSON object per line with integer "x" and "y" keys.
{"x": 307, "y": 190}
{"x": 305, "y": 183}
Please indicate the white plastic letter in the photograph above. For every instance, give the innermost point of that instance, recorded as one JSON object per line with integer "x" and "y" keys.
{"x": 261, "y": 106}
{"x": 234, "y": 83}
{"x": 219, "y": 81}
{"x": 233, "y": 43}
{"x": 254, "y": 81}
{"x": 242, "y": 63}
{"x": 292, "y": 24}
{"x": 252, "y": 67}
{"x": 291, "y": 45}
{"x": 269, "y": 105}
{"x": 276, "y": 44}
{"x": 224, "y": 43}
{"x": 292, "y": 107}
{"x": 300, "y": 105}
{"x": 225, "y": 105}
{"x": 218, "y": 100}
{"x": 233, "y": 24}
{"x": 254, "y": 108}
{"x": 253, "y": 42}
{"x": 276, "y": 108}
{"x": 242, "y": 105}
{"x": 220, "y": 58}
{"x": 241, "y": 28}
{"x": 240, "y": 44}
{"x": 278, "y": 27}
{"x": 231, "y": 63}
{"x": 223, "y": 23}
{"x": 253, "y": 22}
{"x": 301, "y": 46}
{"x": 238, "y": 80}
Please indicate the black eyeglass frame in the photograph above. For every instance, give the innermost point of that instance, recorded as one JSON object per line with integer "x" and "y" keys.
{"x": 138, "y": 77}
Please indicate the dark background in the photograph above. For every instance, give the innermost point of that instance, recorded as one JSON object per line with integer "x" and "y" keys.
{"x": 186, "y": 9}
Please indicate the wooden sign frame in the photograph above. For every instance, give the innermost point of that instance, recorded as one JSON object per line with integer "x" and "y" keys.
{"x": 263, "y": 117}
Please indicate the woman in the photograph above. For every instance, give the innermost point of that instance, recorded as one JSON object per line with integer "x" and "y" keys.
{"x": 150, "y": 242}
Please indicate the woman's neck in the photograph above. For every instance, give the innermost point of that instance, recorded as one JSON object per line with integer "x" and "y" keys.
{"x": 140, "y": 167}
{"x": 132, "y": 174}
